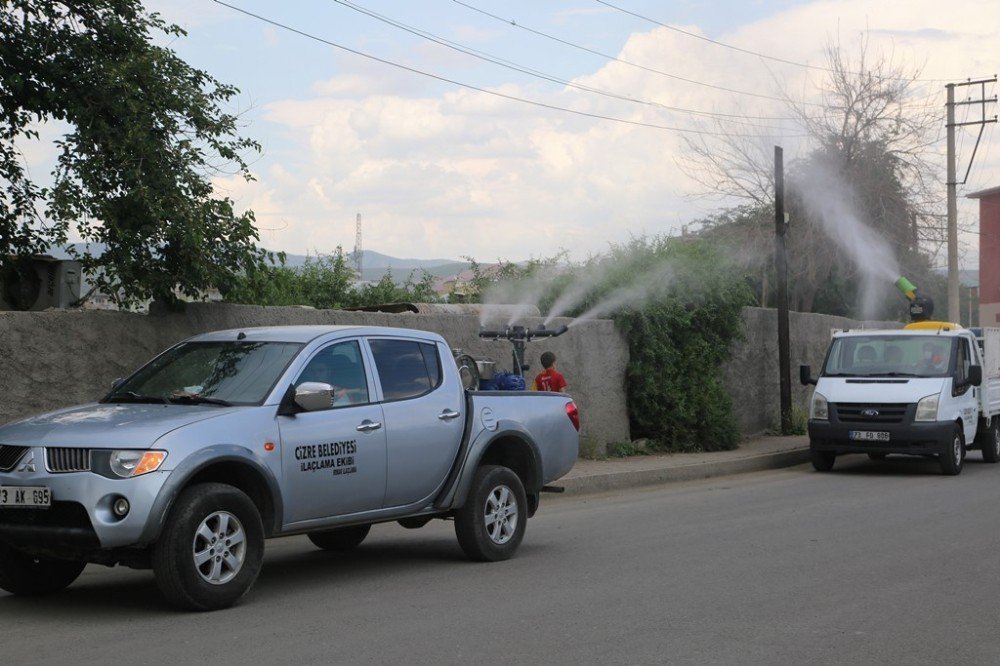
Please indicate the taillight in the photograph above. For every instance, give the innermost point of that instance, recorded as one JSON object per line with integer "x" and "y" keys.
{"x": 574, "y": 414}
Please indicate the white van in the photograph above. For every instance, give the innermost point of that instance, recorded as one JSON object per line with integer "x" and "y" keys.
{"x": 931, "y": 388}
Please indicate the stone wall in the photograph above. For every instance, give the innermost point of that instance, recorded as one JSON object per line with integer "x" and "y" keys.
{"x": 58, "y": 358}
{"x": 752, "y": 372}
{"x": 62, "y": 357}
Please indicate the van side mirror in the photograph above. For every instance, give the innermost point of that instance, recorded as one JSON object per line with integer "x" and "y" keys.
{"x": 975, "y": 375}
{"x": 805, "y": 375}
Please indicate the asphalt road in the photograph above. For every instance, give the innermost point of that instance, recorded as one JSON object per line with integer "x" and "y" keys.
{"x": 872, "y": 563}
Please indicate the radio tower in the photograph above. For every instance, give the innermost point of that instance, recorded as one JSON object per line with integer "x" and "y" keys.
{"x": 357, "y": 247}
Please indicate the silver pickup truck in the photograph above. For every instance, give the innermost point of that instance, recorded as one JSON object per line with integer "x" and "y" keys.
{"x": 232, "y": 437}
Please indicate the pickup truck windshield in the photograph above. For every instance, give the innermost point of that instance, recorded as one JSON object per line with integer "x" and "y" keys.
{"x": 889, "y": 356}
{"x": 214, "y": 373}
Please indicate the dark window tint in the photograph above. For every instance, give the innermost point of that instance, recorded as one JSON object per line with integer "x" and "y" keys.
{"x": 341, "y": 367}
{"x": 406, "y": 368}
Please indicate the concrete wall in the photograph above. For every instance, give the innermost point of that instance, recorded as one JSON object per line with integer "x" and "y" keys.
{"x": 63, "y": 357}
{"x": 752, "y": 372}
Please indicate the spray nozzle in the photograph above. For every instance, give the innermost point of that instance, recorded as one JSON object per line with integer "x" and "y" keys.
{"x": 906, "y": 287}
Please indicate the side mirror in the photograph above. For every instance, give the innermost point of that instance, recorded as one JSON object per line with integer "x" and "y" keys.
{"x": 805, "y": 375}
{"x": 975, "y": 375}
{"x": 314, "y": 396}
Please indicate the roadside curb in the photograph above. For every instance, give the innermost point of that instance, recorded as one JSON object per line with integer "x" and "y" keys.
{"x": 618, "y": 480}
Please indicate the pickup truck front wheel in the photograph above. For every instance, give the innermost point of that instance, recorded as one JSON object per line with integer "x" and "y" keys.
{"x": 491, "y": 524}
{"x": 211, "y": 549}
{"x": 27, "y": 575}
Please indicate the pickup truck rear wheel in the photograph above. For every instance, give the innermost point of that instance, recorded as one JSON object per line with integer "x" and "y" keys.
{"x": 991, "y": 442}
{"x": 953, "y": 455}
{"x": 211, "y": 548}
{"x": 343, "y": 538}
{"x": 28, "y": 575}
{"x": 491, "y": 524}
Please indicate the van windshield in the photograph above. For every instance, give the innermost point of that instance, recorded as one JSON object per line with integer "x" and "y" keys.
{"x": 889, "y": 356}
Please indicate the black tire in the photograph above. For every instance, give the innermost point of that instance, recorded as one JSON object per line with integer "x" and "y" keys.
{"x": 822, "y": 460}
{"x": 953, "y": 454}
{"x": 221, "y": 572}
{"x": 876, "y": 456}
{"x": 342, "y": 538}
{"x": 990, "y": 444}
{"x": 495, "y": 490}
{"x": 30, "y": 576}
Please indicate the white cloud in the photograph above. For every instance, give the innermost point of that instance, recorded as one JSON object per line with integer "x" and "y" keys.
{"x": 465, "y": 172}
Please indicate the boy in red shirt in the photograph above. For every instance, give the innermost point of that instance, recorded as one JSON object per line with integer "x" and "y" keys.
{"x": 550, "y": 379}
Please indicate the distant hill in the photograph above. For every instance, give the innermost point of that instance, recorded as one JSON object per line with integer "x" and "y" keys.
{"x": 375, "y": 264}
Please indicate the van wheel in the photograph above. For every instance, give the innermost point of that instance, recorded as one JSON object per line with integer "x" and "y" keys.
{"x": 991, "y": 442}
{"x": 953, "y": 455}
{"x": 342, "y": 538}
{"x": 211, "y": 548}
{"x": 490, "y": 525}
{"x": 822, "y": 460}
{"x": 28, "y": 575}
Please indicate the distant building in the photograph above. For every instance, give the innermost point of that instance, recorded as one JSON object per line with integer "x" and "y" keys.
{"x": 989, "y": 255}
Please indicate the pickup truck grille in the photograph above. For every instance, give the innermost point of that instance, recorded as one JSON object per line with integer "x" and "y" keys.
{"x": 855, "y": 412}
{"x": 60, "y": 459}
{"x": 9, "y": 455}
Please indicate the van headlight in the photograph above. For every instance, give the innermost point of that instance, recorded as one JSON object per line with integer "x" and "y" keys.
{"x": 927, "y": 408}
{"x": 819, "y": 408}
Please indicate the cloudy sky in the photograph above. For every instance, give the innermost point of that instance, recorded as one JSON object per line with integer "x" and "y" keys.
{"x": 443, "y": 159}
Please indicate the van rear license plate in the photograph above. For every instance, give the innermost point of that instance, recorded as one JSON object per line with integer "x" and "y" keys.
{"x": 32, "y": 497}
{"x": 868, "y": 436}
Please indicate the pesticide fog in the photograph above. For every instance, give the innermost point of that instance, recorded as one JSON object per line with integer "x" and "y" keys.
{"x": 831, "y": 203}
{"x": 522, "y": 299}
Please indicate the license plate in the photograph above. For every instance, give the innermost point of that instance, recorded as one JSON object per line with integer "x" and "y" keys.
{"x": 869, "y": 436}
{"x": 25, "y": 496}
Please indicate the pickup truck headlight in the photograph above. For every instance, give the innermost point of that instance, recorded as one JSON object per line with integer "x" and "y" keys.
{"x": 127, "y": 463}
{"x": 927, "y": 408}
{"x": 819, "y": 408}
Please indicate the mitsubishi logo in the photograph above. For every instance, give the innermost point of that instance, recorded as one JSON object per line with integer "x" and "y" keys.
{"x": 872, "y": 413}
{"x": 28, "y": 465}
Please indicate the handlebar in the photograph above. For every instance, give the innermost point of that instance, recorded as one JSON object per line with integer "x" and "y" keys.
{"x": 522, "y": 333}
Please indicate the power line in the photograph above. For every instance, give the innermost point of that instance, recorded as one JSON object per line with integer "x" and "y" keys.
{"x": 737, "y": 48}
{"x": 486, "y": 90}
{"x": 482, "y": 55}
{"x": 607, "y": 56}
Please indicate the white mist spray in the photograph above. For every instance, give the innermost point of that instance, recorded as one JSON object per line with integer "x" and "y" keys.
{"x": 831, "y": 202}
{"x": 647, "y": 286}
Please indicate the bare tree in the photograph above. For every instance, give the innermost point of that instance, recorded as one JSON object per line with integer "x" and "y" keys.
{"x": 877, "y": 132}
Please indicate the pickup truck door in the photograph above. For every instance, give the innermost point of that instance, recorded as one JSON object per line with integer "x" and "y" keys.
{"x": 424, "y": 409}
{"x": 333, "y": 460}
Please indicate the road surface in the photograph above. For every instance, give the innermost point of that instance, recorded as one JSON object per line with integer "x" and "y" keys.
{"x": 875, "y": 562}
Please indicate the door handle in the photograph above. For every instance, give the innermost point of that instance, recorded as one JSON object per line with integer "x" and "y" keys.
{"x": 368, "y": 426}
{"x": 448, "y": 415}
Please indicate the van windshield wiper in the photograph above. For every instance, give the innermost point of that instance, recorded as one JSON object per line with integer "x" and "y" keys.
{"x": 189, "y": 399}
{"x": 132, "y": 396}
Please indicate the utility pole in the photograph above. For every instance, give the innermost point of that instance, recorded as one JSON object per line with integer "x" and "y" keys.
{"x": 357, "y": 246}
{"x": 781, "y": 269}
{"x": 954, "y": 307}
